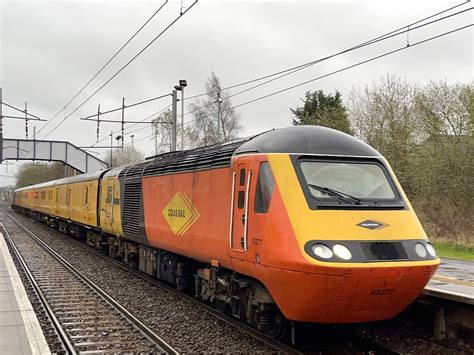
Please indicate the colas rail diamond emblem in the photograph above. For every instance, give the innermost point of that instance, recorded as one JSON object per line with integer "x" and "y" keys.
{"x": 180, "y": 213}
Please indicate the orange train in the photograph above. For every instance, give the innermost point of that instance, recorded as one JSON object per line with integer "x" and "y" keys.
{"x": 303, "y": 223}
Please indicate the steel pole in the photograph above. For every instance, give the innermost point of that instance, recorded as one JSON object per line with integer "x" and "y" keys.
{"x": 123, "y": 119}
{"x": 173, "y": 118}
{"x": 111, "y": 146}
{"x": 182, "y": 118}
{"x": 26, "y": 120}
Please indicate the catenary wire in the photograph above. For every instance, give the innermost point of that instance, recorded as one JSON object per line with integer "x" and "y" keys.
{"x": 286, "y": 72}
{"x": 281, "y": 74}
{"x": 105, "y": 65}
{"x": 122, "y": 68}
{"x": 343, "y": 69}
{"x": 317, "y": 60}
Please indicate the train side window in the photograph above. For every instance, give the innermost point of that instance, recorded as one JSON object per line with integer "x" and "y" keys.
{"x": 68, "y": 196}
{"x": 242, "y": 177}
{"x": 240, "y": 199}
{"x": 50, "y": 195}
{"x": 57, "y": 195}
{"x": 265, "y": 187}
{"x": 87, "y": 195}
{"x": 43, "y": 195}
{"x": 109, "y": 195}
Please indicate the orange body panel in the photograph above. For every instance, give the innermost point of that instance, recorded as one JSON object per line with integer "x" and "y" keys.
{"x": 206, "y": 238}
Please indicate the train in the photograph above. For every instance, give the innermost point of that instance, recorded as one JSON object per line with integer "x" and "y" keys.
{"x": 298, "y": 224}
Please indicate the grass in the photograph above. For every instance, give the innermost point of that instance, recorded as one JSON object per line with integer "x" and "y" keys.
{"x": 451, "y": 250}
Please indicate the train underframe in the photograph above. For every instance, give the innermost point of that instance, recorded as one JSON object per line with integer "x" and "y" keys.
{"x": 227, "y": 291}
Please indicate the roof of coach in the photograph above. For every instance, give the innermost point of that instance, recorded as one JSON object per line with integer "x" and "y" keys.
{"x": 69, "y": 180}
{"x": 79, "y": 178}
{"x": 307, "y": 140}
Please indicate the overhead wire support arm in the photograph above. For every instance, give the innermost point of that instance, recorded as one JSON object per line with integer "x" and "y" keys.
{"x": 23, "y": 118}
{"x": 123, "y": 107}
{"x": 125, "y": 122}
{"x": 22, "y": 111}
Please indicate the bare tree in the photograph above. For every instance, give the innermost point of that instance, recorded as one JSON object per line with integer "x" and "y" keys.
{"x": 426, "y": 133}
{"x": 385, "y": 116}
{"x": 214, "y": 119}
{"x": 126, "y": 155}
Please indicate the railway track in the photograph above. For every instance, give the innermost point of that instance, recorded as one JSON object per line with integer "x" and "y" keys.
{"x": 85, "y": 317}
{"x": 352, "y": 344}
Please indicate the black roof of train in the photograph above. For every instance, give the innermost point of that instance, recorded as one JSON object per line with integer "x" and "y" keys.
{"x": 307, "y": 140}
{"x": 291, "y": 140}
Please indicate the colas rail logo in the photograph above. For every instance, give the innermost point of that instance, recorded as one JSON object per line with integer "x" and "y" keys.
{"x": 180, "y": 213}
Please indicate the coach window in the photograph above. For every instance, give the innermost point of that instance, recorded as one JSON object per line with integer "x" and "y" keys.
{"x": 87, "y": 195}
{"x": 43, "y": 195}
{"x": 109, "y": 195}
{"x": 265, "y": 187}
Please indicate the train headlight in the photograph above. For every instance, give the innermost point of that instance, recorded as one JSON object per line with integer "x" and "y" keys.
{"x": 420, "y": 250}
{"x": 342, "y": 252}
{"x": 431, "y": 250}
{"x": 322, "y": 250}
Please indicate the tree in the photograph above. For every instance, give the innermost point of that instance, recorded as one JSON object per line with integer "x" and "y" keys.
{"x": 444, "y": 161}
{"x": 323, "y": 110}
{"x": 35, "y": 173}
{"x": 126, "y": 155}
{"x": 426, "y": 133}
{"x": 163, "y": 130}
{"x": 206, "y": 113}
{"x": 385, "y": 117}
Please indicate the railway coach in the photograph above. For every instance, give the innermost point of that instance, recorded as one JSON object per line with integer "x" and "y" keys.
{"x": 303, "y": 223}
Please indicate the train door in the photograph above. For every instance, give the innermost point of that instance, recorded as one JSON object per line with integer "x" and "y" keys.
{"x": 109, "y": 208}
{"x": 240, "y": 207}
{"x": 112, "y": 207}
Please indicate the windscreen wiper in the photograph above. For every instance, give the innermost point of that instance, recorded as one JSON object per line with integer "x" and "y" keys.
{"x": 333, "y": 192}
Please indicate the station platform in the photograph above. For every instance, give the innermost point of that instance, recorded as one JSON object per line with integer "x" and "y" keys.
{"x": 454, "y": 280}
{"x": 20, "y": 331}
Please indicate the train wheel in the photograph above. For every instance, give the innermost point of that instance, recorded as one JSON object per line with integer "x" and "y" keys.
{"x": 220, "y": 306}
{"x": 274, "y": 325}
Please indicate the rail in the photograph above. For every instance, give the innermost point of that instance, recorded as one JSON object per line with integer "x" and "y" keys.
{"x": 70, "y": 343}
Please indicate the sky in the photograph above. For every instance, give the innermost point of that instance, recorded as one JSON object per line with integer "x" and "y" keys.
{"x": 50, "y": 49}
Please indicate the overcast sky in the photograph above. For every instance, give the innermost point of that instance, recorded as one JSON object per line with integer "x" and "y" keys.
{"x": 50, "y": 49}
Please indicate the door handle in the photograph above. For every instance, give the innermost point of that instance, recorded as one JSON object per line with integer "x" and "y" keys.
{"x": 243, "y": 219}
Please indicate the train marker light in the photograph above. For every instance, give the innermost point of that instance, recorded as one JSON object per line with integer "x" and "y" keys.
{"x": 342, "y": 252}
{"x": 323, "y": 251}
{"x": 431, "y": 250}
{"x": 420, "y": 250}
